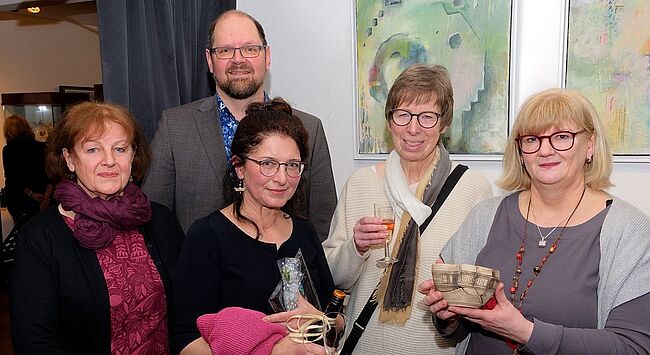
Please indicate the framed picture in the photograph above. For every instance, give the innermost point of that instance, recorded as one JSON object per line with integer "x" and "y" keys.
{"x": 608, "y": 60}
{"x": 471, "y": 38}
{"x": 67, "y": 89}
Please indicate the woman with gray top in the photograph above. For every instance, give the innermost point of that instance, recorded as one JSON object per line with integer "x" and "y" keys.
{"x": 575, "y": 261}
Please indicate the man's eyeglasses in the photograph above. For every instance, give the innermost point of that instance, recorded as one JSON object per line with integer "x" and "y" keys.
{"x": 245, "y": 51}
{"x": 425, "y": 119}
{"x": 270, "y": 167}
{"x": 560, "y": 141}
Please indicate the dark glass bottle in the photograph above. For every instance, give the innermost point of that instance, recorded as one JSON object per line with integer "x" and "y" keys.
{"x": 335, "y": 303}
{"x": 334, "y": 306}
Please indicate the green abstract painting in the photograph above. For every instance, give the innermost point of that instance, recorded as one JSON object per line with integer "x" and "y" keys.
{"x": 471, "y": 38}
{"x": 608, "y": 60}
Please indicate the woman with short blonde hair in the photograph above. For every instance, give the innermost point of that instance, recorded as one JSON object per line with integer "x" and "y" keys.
{"x": 574, "y": 260}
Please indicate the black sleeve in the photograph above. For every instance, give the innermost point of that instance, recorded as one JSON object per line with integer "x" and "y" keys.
{"x": 6, "y": 162}
{"x": 35, "y": 322}
{"x": 196, "y": 285}
{"x": 323, "y": 273}
{"x": 166, "y": 225}
{"x": 13, "y": 176}
{"x": 168, "y": 237}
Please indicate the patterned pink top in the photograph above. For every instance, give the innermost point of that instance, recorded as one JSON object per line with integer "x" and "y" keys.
{"x": 137, "y": 296}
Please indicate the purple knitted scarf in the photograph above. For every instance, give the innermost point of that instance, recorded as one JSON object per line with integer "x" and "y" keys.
{"x": 96, "y": 221}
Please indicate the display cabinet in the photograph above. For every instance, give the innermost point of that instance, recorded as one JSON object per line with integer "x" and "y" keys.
{"x": 41, "y": 109}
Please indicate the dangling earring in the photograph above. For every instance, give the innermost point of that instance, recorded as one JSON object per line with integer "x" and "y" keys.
{"x": 588, "y": 160}
{"x": 522, "y": 162}
{"x": 240, "y": 186}
{"x": 131, "y": 178}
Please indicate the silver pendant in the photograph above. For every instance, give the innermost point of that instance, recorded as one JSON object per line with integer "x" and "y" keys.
{"x": 541, "y": 243}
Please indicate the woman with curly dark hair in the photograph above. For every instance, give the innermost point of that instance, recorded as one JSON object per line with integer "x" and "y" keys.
{"x": 230, "y": 257}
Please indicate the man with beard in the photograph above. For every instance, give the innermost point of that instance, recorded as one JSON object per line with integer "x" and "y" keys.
{"x": 191, "y": 148}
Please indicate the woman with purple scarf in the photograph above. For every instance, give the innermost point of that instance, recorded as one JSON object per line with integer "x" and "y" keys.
{"x": 91, "y": 274}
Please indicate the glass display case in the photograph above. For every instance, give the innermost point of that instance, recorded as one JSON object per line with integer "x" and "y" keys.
{"x": 41, "y": 109}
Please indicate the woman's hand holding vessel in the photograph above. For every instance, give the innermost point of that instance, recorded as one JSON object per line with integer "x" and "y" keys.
{"x": 435, "y": 301}
{"x": 504, "y": 319}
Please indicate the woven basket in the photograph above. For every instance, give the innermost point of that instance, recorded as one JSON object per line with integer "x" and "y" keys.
{"x": 465, "y": 285}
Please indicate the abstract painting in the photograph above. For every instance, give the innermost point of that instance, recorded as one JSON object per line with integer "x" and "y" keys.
{"x": 471, "y": 38}
{"x": 608, "y": 60}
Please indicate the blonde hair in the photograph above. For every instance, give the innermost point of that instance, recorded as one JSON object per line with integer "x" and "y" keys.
{"x": 554, "y": 108}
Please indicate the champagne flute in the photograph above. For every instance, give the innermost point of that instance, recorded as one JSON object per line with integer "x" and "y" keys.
{"x": 334, "y": 332}
{"x": 388, "y": 219}
{"x": 327, "y": 330}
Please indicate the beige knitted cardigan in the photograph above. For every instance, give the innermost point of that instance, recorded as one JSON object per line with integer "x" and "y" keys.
{"x": 359, "y": 275}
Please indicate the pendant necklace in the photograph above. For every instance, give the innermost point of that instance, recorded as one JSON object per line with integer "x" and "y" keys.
{"x": 519, "y": 258}
{"x": 542, "y": 237}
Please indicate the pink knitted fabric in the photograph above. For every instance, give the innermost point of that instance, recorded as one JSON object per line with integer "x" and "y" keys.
{"x": 236, "y": 330}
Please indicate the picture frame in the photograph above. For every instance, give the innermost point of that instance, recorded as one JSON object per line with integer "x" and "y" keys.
{"x": 604, "y": 59}
{"x": 483, "y": 110}
{"x": 68, "y": 89}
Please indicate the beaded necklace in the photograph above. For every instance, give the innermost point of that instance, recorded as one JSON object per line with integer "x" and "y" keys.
{"x": 519, "y": 256}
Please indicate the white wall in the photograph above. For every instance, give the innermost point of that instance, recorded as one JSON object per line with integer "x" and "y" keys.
{"x": 40, "y": 55}
{"x": 312, "y": 52}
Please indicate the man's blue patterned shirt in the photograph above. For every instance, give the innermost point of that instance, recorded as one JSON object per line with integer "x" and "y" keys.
{"x": 228, "y": 126}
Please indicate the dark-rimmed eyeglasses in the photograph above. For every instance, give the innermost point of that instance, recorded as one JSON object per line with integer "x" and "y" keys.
{"x": 560, "y": 141}
{"x": 270, "y": 167}
{"x": 426, "y": 119}
{"x": 252, "y": 51}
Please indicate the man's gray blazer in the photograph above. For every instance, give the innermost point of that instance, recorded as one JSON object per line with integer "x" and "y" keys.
{"x": 189, "y": 165}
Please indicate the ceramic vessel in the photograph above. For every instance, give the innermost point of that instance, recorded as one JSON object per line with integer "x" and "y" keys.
{"x": 465, "y": 285}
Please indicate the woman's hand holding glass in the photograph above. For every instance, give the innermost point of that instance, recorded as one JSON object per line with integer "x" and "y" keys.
{"x": 387, "y": 216}
{"x": 288, "y": 345}
{"x": 376, "y": 230}
{"x": 307, "y": 328}
{"x": 369, "y": 231}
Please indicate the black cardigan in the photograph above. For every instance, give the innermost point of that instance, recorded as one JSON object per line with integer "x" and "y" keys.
{"x": 24, "y": 164}
{"x": 59, "y": 298}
